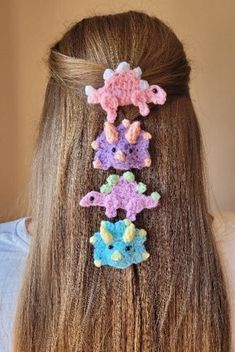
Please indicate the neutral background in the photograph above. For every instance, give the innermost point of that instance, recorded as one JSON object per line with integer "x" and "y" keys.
{"x": 30, "y": 27}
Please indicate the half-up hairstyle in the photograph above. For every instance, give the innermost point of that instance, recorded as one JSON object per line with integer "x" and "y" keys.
{"x": 176, "y": 300}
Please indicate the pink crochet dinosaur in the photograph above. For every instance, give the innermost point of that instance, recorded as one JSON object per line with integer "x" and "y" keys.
{"x": 124, "y": 86}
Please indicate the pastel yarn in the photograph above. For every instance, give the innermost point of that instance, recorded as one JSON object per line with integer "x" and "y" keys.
{"x": 124, "y": 147}
{"x": 119, "y": 244}
{"x": 121, "y": 193}
{"x": 124, "y": 86}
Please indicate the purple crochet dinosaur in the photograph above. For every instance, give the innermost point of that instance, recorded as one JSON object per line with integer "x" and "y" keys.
{"x": 124, "y": 147}
{"x": 121, "y": 193}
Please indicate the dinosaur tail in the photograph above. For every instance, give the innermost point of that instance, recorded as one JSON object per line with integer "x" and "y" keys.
{"x": 153, "y": 200}
{"x": 92, "y": 95}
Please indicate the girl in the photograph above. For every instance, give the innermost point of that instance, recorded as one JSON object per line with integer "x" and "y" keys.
{"x": 175, "y": 301}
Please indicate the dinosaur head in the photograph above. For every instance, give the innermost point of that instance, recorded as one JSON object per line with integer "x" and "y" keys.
{"x": 119, "y": 244}
{"x": 91, "y": 198}
{"x": 123, "y": 147}
{"x": 156, "y": 95}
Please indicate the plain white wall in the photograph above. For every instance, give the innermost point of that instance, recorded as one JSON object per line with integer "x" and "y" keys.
{"x": 29, "y": 27}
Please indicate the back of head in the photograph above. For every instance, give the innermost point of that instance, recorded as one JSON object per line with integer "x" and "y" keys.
{"x": 176, "y": 300}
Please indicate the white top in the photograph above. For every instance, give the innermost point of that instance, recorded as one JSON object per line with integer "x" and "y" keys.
{"x": 14, "y": 246}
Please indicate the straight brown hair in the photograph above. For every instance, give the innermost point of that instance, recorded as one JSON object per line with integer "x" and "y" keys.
{"x": 175, "y": 301}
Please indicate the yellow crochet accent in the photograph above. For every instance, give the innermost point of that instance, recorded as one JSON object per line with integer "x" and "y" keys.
{"x": 116, "y": 256}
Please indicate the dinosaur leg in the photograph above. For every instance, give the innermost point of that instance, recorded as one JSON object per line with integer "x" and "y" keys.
{"x": 138, "y": 99}
{"x": 111, "y": 206}
{"x": 131, "y": 216}
{"x": 134, "y": 207}
{"x": 130, "y": 210}
{"x": 110, "y": 105}
{"x": 111, "y": 213}
{"x": 144, "y": 109}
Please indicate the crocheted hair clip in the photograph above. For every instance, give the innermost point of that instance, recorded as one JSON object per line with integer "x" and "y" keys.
{"x": 119, "y": 244}
{"x": 121, "y": 192}
{"x": 124, "y": 86}
{"x": 123, "y": 147}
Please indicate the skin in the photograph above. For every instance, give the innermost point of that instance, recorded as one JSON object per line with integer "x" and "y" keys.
{"x": 29, "y": 226}
{"x": 226, "y": 247}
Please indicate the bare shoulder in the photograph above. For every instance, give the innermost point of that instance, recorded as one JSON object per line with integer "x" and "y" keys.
{"x": 224, "y": 231}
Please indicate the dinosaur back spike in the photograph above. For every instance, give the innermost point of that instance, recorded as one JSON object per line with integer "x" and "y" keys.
{"x": 112, "y": 180}
{"x": 105, "y": 188}
{"x": 129, "y": 176}
{"x": 123, "y": 67}
{"x": 89, "y": 90}
{"x": 108, "y": 73}
{"x": 155, "y": 196}
{"x": 141, "y": 188}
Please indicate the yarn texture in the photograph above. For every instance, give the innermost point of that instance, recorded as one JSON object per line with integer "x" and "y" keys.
{"x": 121, "y": 193}
{"x": 124, "y": 147}
{"x": 124, "y": 86}
{"x": 119, "y": 244}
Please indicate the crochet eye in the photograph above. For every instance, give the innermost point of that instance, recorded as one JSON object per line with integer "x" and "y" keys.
{"x": 154, "y": 90}
{"x": 92, "y": 198}
{"x": 110, "y": 246}
{"x": 113, "y": 150}
{"x": 128, "y": 248}
{"x": 130, "y": 150}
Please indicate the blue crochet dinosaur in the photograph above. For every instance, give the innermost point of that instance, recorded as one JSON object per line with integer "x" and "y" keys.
{"x": 119, "y": 244}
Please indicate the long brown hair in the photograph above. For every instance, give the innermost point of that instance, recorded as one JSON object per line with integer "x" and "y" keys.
{"x": 176, "y": 300}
